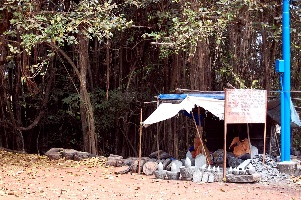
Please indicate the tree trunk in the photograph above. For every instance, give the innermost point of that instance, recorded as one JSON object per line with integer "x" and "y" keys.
{"x": 108, "y": 46}
{"x": 18, "y": 142}
{"x": 199, "y": 70}
{"x": 176, "y": 139}
{"x": 86, "y": 109}
{"x": 170, "y": 136}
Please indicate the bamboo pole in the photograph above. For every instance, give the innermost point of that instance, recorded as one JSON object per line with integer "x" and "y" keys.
{"x": 198, "y": 132}
{"x": 200, "y": 125}
{"x": 248, "y": 131}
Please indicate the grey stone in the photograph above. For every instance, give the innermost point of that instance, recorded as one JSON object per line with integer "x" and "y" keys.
{"x": 173, "y": 175}
{"x": 297, "y": 153}
{"x": 235, "y": 171}
{"x": 205, "y": 177}
{"x": 230, "y": 170}
{"x": 197, "y": 176}
{"x": 68, "y": 154}
{"x": 80, "y": 155}
{"x": 166, "y": 162}
{"x": 135, "y": 165}
{"x": 112, "y": 156}
{"x": 244, "y": 164}
{"x": 211, "y": 178}
{"x": 218, "y": 177}
{"x": 209, "y": 169}
{"x": 160, "y": 155}
{"x": 149, "y": 167}
{"x": 177, "y": 163}
{"x": 129, "y": 161}
{"x": 187, "y": 162}
{"x": 298, "y": 172}
{"x": 122, "y": 170}
{"x": 233, "y": 161}
{"x": 173, "y": 167}
{"x": 200, "y": 160}
{"x": 202, "y": 169}
{"x": 160, "y": 174}
{"x": 160, "y": 167}
{"x": 187, "y": 172}
{"x": 288, "y": 167}
{"x": 250, "y": 169}
{"x": 54, "y": 153}
{"x": 241, "y": 171}
{"x": 243, "y": 178}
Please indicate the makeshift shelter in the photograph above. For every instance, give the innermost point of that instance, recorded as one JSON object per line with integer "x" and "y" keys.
{"x": 212, "y": 102}
{"x": 171, "y": 104}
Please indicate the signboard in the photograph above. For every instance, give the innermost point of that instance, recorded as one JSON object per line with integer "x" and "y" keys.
{"x": 245, "y": 106}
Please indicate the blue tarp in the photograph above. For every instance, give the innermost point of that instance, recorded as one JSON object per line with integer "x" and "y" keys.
{"x": 195, "y": 117}
{"x": 215, "y": 95}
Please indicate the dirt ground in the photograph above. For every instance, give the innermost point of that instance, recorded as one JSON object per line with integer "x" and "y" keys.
{"x": 35, "y": 177}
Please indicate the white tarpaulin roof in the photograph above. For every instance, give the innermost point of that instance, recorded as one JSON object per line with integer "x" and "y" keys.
{"x": 169, "y": 110}
{"x": 215, "y": 106}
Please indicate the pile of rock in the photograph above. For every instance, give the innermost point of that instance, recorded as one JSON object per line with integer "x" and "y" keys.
{"x": 147, "y": 165}
{"x": 268, "y": 170}
{"x": 68, "y": 154}
{"x": 205, "y": 174}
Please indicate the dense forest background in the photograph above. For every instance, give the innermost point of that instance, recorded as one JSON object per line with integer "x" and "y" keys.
{"x": 75, "y": 74}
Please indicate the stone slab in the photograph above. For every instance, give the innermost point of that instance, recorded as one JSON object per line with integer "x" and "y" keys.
{"x": 244, "y": 164}
{"x": 243, "y": 178}
{"x": 287, "y": 167}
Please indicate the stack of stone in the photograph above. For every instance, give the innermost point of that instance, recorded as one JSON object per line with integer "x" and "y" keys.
{"x": 187, "y": 170}
{"x": 174, "y": 172}
{"x": 207, "y": 174}
{"x": 160, "y": 173}
{"x": 244, "y": 173}
{"x": 200, "y": 172}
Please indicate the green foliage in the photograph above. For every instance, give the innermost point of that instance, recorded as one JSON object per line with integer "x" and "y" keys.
{"x": 91, "y": 18}
{"x": 108, "y": 112}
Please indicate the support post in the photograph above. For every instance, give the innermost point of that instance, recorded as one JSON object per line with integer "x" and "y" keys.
{"x": 286, "y": 130}
{"x": 140, "y": 142}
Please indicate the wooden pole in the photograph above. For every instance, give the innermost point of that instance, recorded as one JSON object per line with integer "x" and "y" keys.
{"x": 202, "y": 143}
{"x": 225, "y": 138}
{"x": 200, "y": 125}
{"x": 248, "y": 131}
{"x": 265, "y": 127}
{"x": 264, "y": 141}
{"x": 140, "y": 140}
{"x": 225, "y": 151}
{"x": 187, "y": 133}
{"x": 158, "y": 145}
{"x": 270, "y": 145}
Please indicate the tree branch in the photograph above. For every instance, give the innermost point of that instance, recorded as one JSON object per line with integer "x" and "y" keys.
{"x": 44, "y": 104}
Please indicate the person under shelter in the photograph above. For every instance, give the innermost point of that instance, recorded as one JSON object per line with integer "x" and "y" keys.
{"x": 240, "y": 146}
{"x": 200, "y": 148}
